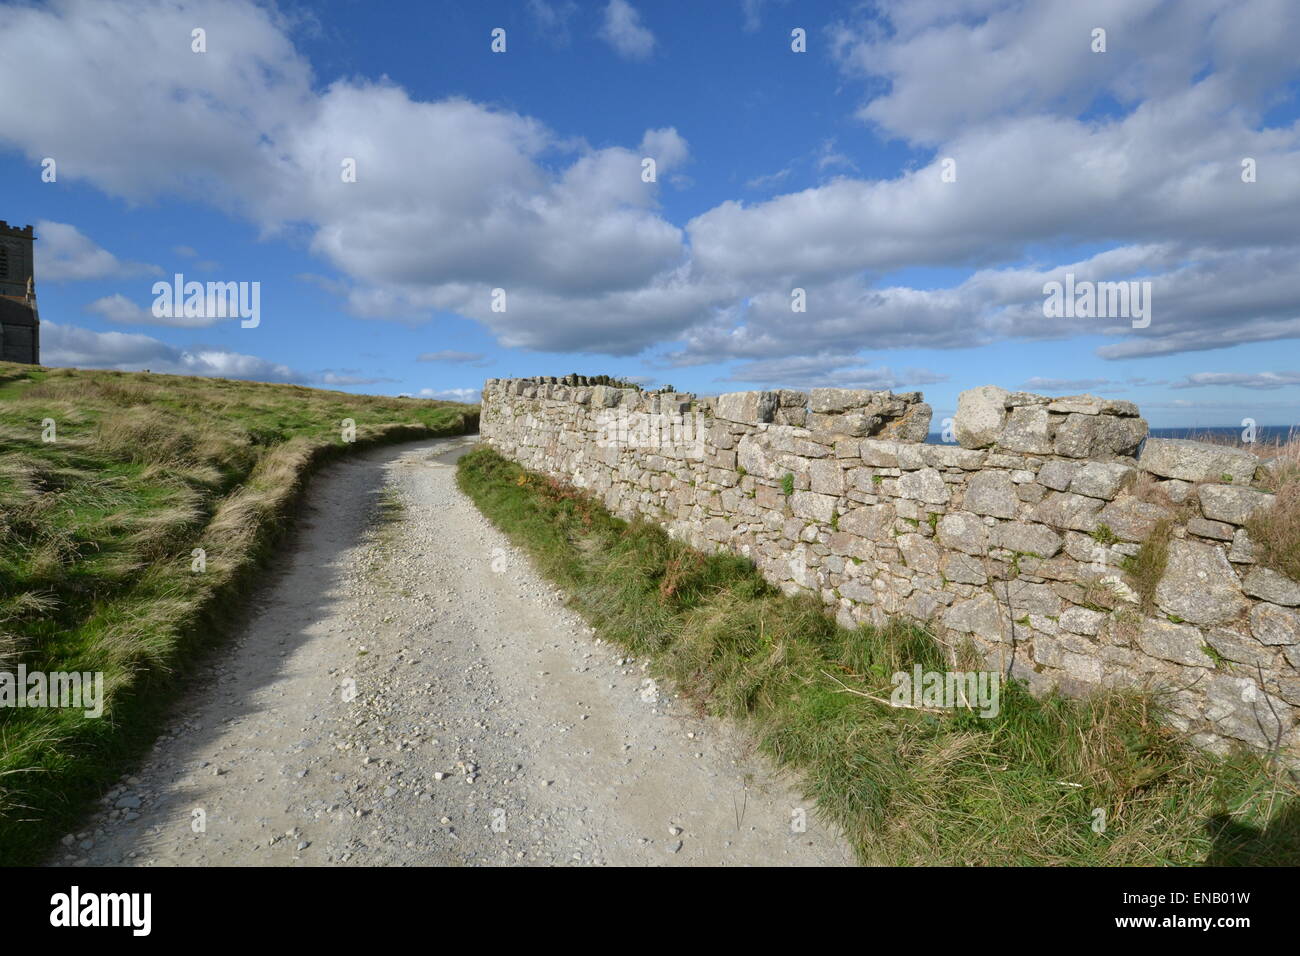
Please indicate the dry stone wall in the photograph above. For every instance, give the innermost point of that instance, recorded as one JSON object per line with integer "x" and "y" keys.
{"x": 1013, "y": 542}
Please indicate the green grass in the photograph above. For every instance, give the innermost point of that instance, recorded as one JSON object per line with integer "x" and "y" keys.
{"x": 907, "y": 787}
{"x": 1147, "y": 567}
{"x": 1104, "y": 535}
{"x": 1275, "y": 530}
{"x": 97, "y": 531}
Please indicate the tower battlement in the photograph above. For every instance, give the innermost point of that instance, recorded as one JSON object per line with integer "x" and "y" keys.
{"x": 19, "y": 322}
{"x": 16, "y": 265}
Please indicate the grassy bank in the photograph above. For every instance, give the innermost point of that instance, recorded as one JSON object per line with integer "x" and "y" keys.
{"x": 98, "y": 530}
{"x": 907, "y": 787}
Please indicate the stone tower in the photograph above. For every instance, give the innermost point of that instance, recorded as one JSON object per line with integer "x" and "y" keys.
{"x": 20, "y": 324}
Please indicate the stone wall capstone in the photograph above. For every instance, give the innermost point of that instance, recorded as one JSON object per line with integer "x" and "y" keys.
{"x": 1012, "y": 541}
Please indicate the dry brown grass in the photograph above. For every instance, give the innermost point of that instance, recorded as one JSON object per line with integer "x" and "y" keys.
{"x": 1275, "y": 531}
{"x": 97, "y": 529}
{"x": 148, "y": 436}
{"x": 1147, "y": 567}
{"x": 1287, "y": 447}
{"x": 906, "y": 787}
{"x": 1146, "y": 487}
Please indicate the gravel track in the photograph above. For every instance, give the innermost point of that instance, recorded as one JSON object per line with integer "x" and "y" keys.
{"x": 488, "y": 725}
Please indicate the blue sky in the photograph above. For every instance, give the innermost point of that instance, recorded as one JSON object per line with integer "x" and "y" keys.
{"x": 777, "y": 170}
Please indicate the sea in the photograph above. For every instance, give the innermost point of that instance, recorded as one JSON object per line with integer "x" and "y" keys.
{"x": 1264, "y": 434}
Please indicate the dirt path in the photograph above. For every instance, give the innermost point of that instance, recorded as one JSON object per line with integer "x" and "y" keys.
{"x": 488, "y": 725}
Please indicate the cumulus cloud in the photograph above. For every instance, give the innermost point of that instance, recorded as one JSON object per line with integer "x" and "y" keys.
{"x": 1055, "y": 148}
{"x": 453, "y": 199}
{"x": 1037, "y": 181}
{"x": 470, "y": 395}
{"x": 1200, "y": 298}
{"x": 666, "y": 146}
{"x": 1260, "y": 380}
{"x": 452, "y": 355}
{"x": 829, "y": 371}
{"x": 552, "y": 19}
{"x": 64, "y": 253}
{"x": 114, "y": 93}
{"x": 1162, "y": 171}
{"x": 753, "y": 13}
{"x": 349, "y": 376}
{"x": 613, "y": 322}
{"x": 1038, "y": 384}
{"x": 828, "y": 157}
{"x": 426, "y": 231}
{"x": 118, "y": 308}
{"x": 952, "y": 67}
{"x": 769, "y": 180}
{"x": 68, "y": 345}
{"x": 622, "y": 29}
{"x": 1246, "y": 406}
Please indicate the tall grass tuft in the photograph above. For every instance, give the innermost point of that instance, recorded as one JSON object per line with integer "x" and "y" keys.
{"x": 96, "y": 534}
{"x": 907, "y": 787}
{"x": 1275, "y": 530}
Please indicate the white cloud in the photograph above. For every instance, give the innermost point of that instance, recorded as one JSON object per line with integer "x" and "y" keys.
{"x": 666, "y": 147}
{"x": 1244, "y": 405}
{"x": 223, "y": 363}
{"x": 827, "y": 370}
{"x": 439, "y": 230}
{"x": 553, "y": 19}
{"x": 342, "y": 377}
{"x": 1165, "y": 177}
{"x": 1148, "y": 177}
{"x": 114, "y": 93}
{"x": 67, "y": 345}
{"x": 753, "y": 13}
{"x": 454, "y": 199}
{"x": 1260, "y": 380}
{"x": 1038, "y": 384}
{"x": 1201, "y": 299}
{"x": 830, "y": 158}
{"x": 623, "y": 30}
{"x": 768, "y": 181}
{"x": 614, "y": 322}
{"x": 63, "y": 252}
{"x": 469, "y": 395}
{"x": 118, "y": 308}
{"x": 1017, "y": 59}
{"x": 452, "y": 355}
